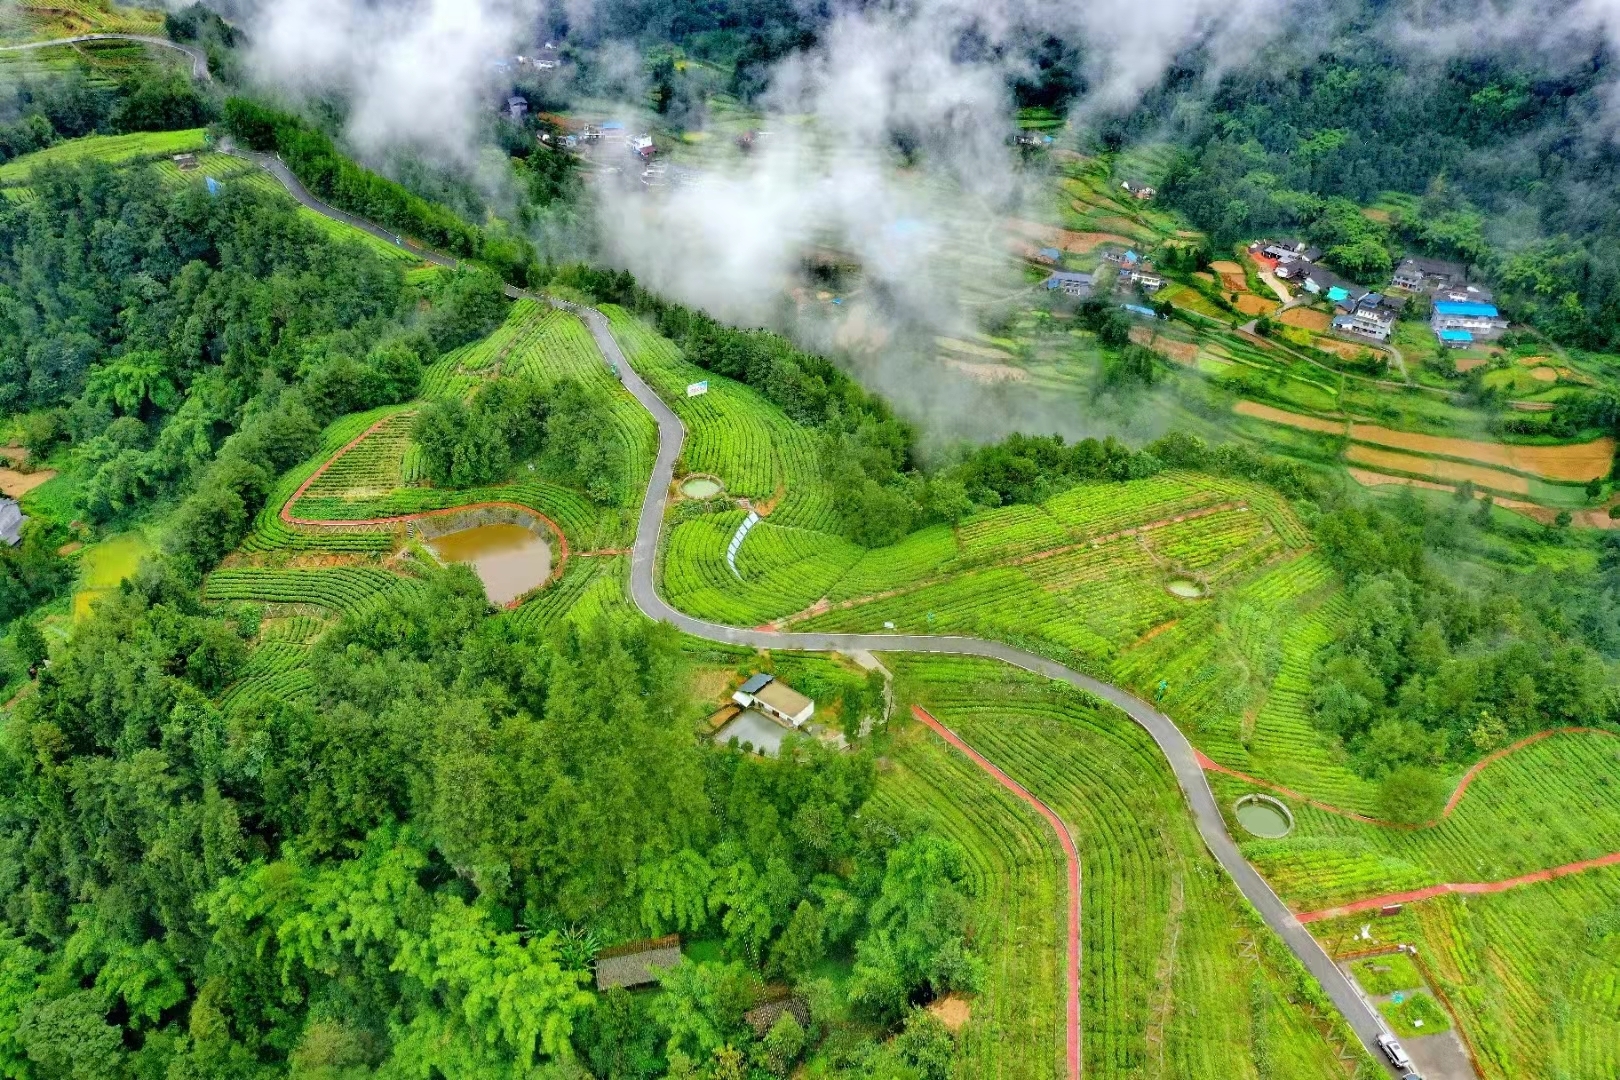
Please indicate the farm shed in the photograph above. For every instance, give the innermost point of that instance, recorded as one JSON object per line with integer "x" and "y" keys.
{"x": 636, "y": 963}
{"x": 776, "y": 699}
{"x": 11, "y": 522}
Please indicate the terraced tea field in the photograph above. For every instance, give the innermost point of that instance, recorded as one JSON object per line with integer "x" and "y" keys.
{"x": 1533, "y": 974}
{"x": 1550, "y": 803}
{"x": 1172, "y": 984}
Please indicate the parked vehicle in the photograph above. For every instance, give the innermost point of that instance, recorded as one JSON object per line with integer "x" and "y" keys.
{"x": 1392, "y": 1050}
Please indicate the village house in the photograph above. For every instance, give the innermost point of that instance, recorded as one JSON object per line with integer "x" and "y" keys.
{"x": 775, "y": 699}
{"x": 1453, "y": 318}
{"x": 1138, "y": 191}
{"x": 185, "y": 162}
{"x": 1419, "y": 275}
{"x": 1072, "y": 284}
{"x": 1127, "y": 257}
{"x": 1289, "y": 251}
{"x": 642, "y": 146}
{"x": 11, "y": 522}
{"x": 1143, "y": 280}
{"x": 1369, "y": 319}
{"x": 517, "y": 108}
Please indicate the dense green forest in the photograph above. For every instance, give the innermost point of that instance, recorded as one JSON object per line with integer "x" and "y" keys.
{"x": 1509, "y": 152}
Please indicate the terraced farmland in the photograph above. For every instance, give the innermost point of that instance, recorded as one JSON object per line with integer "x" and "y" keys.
{"x": 1169, "y": 985}
{"x": 1533, "y": 974}
{"x": 732, "y": 431}
{"x": 348, "y": 590}
{"x": 1544, "y": 805}
{"x": 107, "y": 149}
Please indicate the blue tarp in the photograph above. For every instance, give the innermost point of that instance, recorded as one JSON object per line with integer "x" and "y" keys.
{"x": 1138, "y": 309}
{"x": 1336, "y": 294}
{"x": 1050, "y": 253}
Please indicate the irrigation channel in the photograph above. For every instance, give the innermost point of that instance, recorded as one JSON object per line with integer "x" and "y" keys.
{"x": 1183, "y": 759}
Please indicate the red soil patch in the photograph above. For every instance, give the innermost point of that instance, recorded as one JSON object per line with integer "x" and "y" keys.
{"x": 1071, "y": 856}
{"x": 1544, "y": 374}
{"x": 1306, "y": 319}
{"x": 953, "y": 1011}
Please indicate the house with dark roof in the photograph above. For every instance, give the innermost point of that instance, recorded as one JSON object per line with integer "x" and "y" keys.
{"x": 1419, "y": 274}
{"x": 1368, "y": 321}
{"x": 1073, "y": 284}
{"x": 11, "y": 522}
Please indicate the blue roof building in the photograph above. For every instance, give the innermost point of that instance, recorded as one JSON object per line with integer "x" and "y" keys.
{"x": 1052, "y": 254}
{"x": 1138, "y": 309}
{"x": 1466, "y": 309}
{"x": 1457, "y": 337}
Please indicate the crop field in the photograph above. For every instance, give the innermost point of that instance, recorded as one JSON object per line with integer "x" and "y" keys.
{"x": 68, "y": 18}
{"x": 1177, "y": 979}
{"x": 782, "y": 570}
{"x": 1574, "y": 463}
{"x": 1438, "y": 469}
{"x": 348, "y": 590}
{"x": 276, "y": 669}
{"x": 1546, "y": 804}
{"x": 109, "y": 149}
{"x": 1532, "y": 974}
{"x": 1016, "y": 877}
{"x": 371, "y": 469}
{"x": 732, "y": 431}
{"x": 1083, "y": 576}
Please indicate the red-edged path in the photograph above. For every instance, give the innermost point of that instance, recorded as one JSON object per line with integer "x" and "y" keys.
{"x": 1467, "y": 888}
{"x": 1070, "y": 853}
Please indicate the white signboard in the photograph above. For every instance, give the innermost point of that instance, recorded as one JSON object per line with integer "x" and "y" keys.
{"x": 697, "y": 389}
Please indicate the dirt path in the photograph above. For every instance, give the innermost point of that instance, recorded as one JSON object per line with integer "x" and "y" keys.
{"x": 1071, "y": 855}
{"x": 1468, "y": 778}
{"x": 1467, "y": 888}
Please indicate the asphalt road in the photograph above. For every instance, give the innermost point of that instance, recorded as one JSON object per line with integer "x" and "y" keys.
{"x": 199, "y": 59}
{"x": 1172, "y": 743}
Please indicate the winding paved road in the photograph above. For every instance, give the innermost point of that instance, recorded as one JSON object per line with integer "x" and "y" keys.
{"x": 199, "y": 59}
{"x": 1172, "y": 743}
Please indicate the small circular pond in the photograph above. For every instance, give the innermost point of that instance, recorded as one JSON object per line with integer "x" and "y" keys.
{"x": 1186, "y": 588}
{"x": 700, "y": 487}
{"x": 1264, "y": 816}
{"x": 509, "y": 559}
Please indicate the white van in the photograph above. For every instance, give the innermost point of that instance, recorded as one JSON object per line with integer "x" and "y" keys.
{"x": 1392, "y": 1050}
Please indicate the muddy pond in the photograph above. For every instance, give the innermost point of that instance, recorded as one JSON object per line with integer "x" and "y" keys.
{"x": 509, "y": 559}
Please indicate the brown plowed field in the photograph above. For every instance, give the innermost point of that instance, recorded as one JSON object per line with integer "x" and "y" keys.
{"x": 15, "y": 485}
{"x": 1435, "y": 469}
{"x": 1063, "y": 239}
{"x": 1182, "y": 352}
{"x": 1576, "y": 463}
{"x": 1289, "y": 419}
{"x": 1250, "y": 304}
{"x": 1306, "y": 319}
